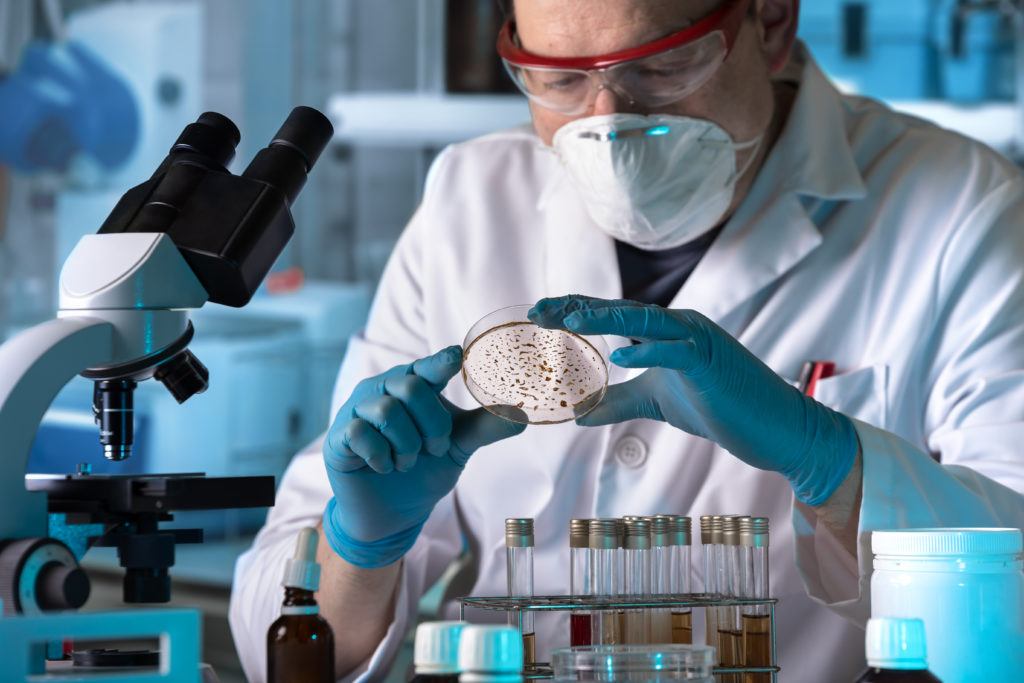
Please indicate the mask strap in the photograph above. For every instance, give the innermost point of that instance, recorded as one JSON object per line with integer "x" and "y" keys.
{"x": 755, "y": 147}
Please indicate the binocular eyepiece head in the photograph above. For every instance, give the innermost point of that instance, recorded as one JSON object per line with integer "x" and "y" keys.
{"x": 283, "y": 164}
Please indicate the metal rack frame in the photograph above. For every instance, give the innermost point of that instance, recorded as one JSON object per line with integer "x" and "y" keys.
{"x": 562, "y": 603}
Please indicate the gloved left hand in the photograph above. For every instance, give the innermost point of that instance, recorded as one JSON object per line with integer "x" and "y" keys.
{"x": 703, "y": 381}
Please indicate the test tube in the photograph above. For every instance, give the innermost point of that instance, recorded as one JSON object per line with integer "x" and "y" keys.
{"x": 603, "y": 538}
{"x": 519, "y": 565}
{"x": 680, "y": 534}
{"x": 708, "y": 540}
{"x": 730, "y": 633}
{"x": 661, "y": 576}
{"x": 638, "y": 578}
{"x": 580, "y": 580}
{"x": 620, "y": 560}
{"x": 756, "y": 619}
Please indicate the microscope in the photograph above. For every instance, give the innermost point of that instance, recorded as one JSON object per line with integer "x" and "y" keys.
{"x": 191, "y": 234}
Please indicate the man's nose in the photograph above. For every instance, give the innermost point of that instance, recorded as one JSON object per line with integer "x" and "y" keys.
{"x": 608, "y": 101}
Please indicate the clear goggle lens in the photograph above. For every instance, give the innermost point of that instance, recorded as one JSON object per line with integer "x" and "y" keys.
{"x": 649, "y": 82}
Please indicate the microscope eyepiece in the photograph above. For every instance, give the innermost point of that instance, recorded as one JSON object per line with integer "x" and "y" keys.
{"x": 307, "y": 131}
{"x": 213, "y": 135}
{"x": 290, "y": 156}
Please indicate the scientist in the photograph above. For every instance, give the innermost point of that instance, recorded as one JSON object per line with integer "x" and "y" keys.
{"x": 694, "y": 175}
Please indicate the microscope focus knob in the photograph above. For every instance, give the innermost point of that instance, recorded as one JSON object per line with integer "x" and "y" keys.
{"x": 60, "y": 587}
{"x": 40, "y": 575}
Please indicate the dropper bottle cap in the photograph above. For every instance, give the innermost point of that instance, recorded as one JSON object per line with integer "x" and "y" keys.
{"x": 492, "y": 653}
{"x": 437, "y": 647}
{"x": 302, "y": 570}
{"x": 896, "y": 644}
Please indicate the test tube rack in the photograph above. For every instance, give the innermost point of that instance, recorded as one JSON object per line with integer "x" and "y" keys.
{"x": 561, "y": 603}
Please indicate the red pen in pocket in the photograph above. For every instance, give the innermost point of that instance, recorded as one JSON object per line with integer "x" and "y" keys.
{"x": 813, "y": 371}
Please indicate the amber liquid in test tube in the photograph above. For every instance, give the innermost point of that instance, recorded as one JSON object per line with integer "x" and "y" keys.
{"x": 757, "y": 635}
{"x": 730, "y": 629}
{"x": 680, "y": 529}
{"x": 519, "y": 565}
{"x": 637, "y": 548}
{"x": 710, "y": 536}
{"x": 580, "y": 580}
{"x": 661, "y": 577}
{"x": 603, "y": 540}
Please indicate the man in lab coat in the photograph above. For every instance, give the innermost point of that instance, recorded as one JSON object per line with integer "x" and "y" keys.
{"x": 729, "y": 216}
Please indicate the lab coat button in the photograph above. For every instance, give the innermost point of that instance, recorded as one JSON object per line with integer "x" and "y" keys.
{"x": 631, "y": 451}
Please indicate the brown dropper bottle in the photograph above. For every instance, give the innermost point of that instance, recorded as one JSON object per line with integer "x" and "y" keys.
{"x": 300, "y": 644}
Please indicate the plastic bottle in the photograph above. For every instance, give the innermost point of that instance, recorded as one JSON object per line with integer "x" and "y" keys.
{"x": 896, "y": 652}
{"x": 436, "y": 657}
{"x": 300, "y": 644}
{"x": 490, "y": 654}
{"x": 967, "y": 586}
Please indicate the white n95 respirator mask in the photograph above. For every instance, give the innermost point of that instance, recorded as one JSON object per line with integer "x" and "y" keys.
{"x": 654, "y": 182}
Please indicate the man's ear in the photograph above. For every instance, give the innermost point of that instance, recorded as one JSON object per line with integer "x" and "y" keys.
{"x": 779, "y": 20}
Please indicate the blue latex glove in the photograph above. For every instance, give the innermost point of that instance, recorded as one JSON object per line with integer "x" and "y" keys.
{"x": 395, "y": 449}
{"x": 703, "y": 381}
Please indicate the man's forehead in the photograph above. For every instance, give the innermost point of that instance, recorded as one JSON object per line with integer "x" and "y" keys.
{"x": 572, "y": 28}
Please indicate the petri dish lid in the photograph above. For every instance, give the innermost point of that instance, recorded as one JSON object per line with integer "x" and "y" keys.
{"x": 532, "y": 375}
{"x": 952, "y": 541}
{"x": 634, "y": 662}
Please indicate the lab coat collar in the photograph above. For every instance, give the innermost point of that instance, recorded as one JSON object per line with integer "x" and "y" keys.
{"x": 771, "y": 232}
{"x": 814, "y": 151}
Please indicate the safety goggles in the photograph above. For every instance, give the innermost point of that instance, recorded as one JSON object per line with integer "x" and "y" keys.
{"x": 650, "y": 75}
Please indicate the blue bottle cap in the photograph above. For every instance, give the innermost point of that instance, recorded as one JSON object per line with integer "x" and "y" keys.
{"x": 893, "y": 643}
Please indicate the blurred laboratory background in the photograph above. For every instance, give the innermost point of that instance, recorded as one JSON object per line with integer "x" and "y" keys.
{"x": 93, "y": 93}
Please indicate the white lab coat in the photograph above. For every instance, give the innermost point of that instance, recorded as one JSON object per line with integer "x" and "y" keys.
{"x": 874, "y": 240}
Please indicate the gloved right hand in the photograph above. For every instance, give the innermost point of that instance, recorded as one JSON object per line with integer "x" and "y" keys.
{"x": 395, "y": 449}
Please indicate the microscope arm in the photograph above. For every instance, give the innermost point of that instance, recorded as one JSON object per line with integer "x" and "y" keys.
{"x": 36, "y": 366}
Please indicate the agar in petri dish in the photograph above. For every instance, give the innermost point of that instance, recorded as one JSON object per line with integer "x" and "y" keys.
{"x": 532, "y": 375}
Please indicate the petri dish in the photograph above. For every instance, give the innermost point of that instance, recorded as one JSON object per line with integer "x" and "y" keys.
{"x": 531, "y": 375}
{"x": 641, "y": 663}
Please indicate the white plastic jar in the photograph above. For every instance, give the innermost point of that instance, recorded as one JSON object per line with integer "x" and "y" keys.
{"x": 968, "y": 587}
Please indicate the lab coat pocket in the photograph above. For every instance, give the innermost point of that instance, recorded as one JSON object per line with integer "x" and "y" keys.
{"x": 861, "y": 393}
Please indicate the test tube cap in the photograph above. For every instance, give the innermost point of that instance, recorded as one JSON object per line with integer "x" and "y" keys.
{"x": 579, "y": 533}
{"x": 731, "y": 529}
{"x": 519, "y": 533}
{"x": 302, "y": 570}
{"x": 638, "y": 533}
{"x": 490, "y": 649}
{"x": 716, "y": 525}
{"x": 604, "y": 534}
{"x": 661, "y": 530}
{"x": 437, "y": 647}
{"x": 680, "y": 529}
{"x": 754, "y": 532}
{"x": 705, "y": 529}
{"x": 896, "y": 644}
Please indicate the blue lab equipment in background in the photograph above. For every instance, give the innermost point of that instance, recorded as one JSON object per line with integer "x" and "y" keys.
{"x": 62, "y": 100}
{"x": 912, "y": 49}
{"x": 880, "y": 48}
{"x": 977, "y": 52}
